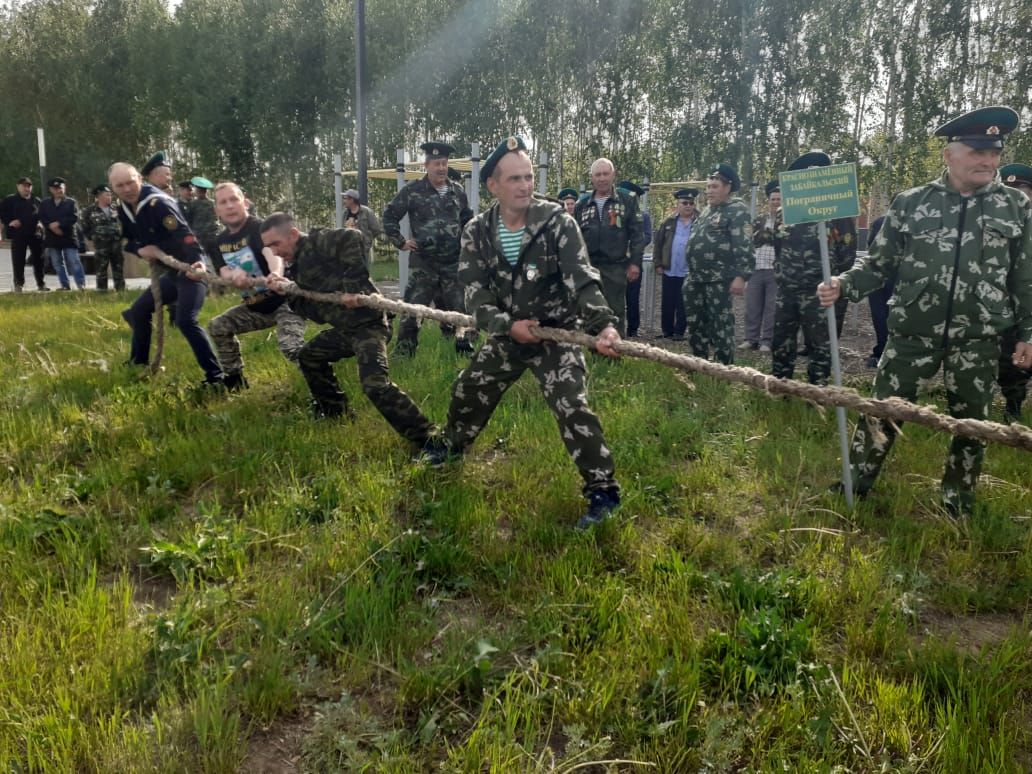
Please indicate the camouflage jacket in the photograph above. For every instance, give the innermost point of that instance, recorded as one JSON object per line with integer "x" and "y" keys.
{"x": 552, "y": 281}
{"x": 332, "y": 261}
{"x": 201, "y": 216}
{"x": 436, "y": 221}
{"x": 963, "y": 265}
{"x": 100, "y": 228}
{"x": 719, "y": 248}
{"x": 798, "y": 264}
{"x": 619, "y": 230}
{"x": 364, "y": 220}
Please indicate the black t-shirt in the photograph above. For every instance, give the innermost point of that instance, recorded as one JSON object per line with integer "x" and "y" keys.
{"x": 243, "y": 250}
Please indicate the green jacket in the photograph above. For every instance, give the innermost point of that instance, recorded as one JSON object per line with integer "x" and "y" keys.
{"x": 364, "y": 220}
{"x": 436, "y": 221}
{"x": 202, "y": 220}
{"x": 552, "y": 281}
{"x": 619, "y": 232}
{"x": 332, "y": 261}
{"x": 100, "y": 228}
{"x": 962, "y": 265}
{"x": 720, "y": 248}
{"x": 797, "y": 265}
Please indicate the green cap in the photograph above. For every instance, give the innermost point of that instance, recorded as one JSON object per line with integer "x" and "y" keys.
{"x": 726, "y": 173}
{"x": 814, "y": 158}
{"x": 1016, "y": 174}
{"x": 982, "y": 128}
{"x": 201, "y": 182}
{"x": 567, "y": 193}
{"x": 437, "y": 150}
{"x": 159, "y": 159}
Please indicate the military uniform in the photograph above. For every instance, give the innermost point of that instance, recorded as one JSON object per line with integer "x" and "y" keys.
{"x": 203, "y": 222}
{"x": 331, "y": 260}
{"x": 156, "y": 220}
{"x": 436, "y": 221}
{"x": 963, "y": 268}
{"x": 364, "y": 220}
{"x": 797, "y": 270}
{"x": 554, "y": 283}
{"x": 1013, "y": 380}
{"x": 102, "y": 228}
{"x": 615, "y": 239}
{"x": 718, "y": 252}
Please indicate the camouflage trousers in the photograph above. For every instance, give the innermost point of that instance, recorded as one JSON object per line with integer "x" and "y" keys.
{"x": 795, "y": 309}
{"x": 433, "y": 284}
{"x": 560, "y": 371}
{"x": 614, "y": 288}
{"x": 711, "y": 323}
{"x": 968, "y": 373}
{"x": 290, "y": 332}
{"x": 368, "y": 344}
{"x": 109, "y": 255}
{"x": 1013, "y": 380}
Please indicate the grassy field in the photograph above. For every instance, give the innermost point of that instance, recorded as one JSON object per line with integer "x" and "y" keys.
{"x": 213, "y": 584}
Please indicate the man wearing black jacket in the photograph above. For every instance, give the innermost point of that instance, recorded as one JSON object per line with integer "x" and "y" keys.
{"x": 19, "y": 213}
{"x": 59, "y": 215}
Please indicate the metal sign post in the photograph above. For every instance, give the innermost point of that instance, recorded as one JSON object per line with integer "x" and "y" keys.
{"x": 41, "y": 144}
{"x": 474, "y": 177}
{"x": 338, "y": 203}
{"x": 543, "y": 173}
{"x": 819, "y": 194}
{"x": 402, "y": 254}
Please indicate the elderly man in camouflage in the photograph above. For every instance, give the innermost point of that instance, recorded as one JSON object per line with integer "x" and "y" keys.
{"x": 797, "y": 270}
{"x": 524, "y": 263}
{"x": 438, "y": 210}
{"x": 101, "y": 227}
{"x": 332, "y": 261}
{"x": 614, "y": 232}
{"x": 961, "y": 250}
{"x": 1013, "y": 380}
{"x": 719, "y": 257}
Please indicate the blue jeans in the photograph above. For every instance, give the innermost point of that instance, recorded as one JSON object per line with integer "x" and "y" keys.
{"x": 59, "y": 256}
{"x": 188, "y": 297}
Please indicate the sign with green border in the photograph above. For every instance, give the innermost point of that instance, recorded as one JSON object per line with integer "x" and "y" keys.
{"x": 819, "y": 193}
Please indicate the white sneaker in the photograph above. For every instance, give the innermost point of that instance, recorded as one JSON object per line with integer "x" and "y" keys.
{"x": 747, "y": 345}
{"x": 764, "y": 347}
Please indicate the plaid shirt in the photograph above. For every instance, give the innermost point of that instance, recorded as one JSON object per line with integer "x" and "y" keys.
{"x": 764, "y": 254}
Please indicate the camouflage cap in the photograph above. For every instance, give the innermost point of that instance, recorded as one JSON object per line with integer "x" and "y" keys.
{"x": 726, "y": 173}
{"x": 509, "y": 145}
{"x": 687, "y": 194}
{"x": 567, "y": 193}
{"x": 634, "y": 188}
{"x": 982, "y": 128}
{"x": 159, "y": 159}
{"x": 99, "y": 189}
{"x": 437, "y": 150}
{"x": 201, "y": 182}
{"x": 814, "y": 158}
{"x": 771, "y": 187}
{"x": 1016, "y": 174}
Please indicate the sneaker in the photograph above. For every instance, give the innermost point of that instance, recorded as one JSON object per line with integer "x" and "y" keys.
{"x": 747, "y": 345}
{"x": 601, "y": 505}
{"x": 436, "y": 452}
{"x": 42, "y": 289}
{"x": 235, "y": 381}
{"x": 764, "y": 347}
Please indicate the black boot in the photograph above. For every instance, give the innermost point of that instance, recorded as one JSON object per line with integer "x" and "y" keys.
{"x": 235, "y": 381}
{"x": 601, "y": 504}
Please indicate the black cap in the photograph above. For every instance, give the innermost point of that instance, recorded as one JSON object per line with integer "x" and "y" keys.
{"x": 186, "y": 184}
{"x": 982, "y": 128}
{"x": 568, "y": 193}
{"x": 55, "y": 181}
{"x": 1016, "y": 174}
{"x": 22, "y": 180}
{"x": 634, "y": 188}
{"x": 99, "y": 189}
{"x": 159, "y": 159}
{"x": 437, "y": 150}
{"x": 814, "y": 158}
{"x": 509, "y": 145}
{"x": 726, "y": 173}
{"x": 686, "y": 193}
{"x": 771, "y": 187}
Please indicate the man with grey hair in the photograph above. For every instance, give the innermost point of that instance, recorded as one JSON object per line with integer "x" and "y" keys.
{"x": 242, "y": 258}
{"x": 611, "y": 223}
{"x": 358, "y": 215}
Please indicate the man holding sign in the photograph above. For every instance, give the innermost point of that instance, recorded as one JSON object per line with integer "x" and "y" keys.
{"x": 960, "y": 248}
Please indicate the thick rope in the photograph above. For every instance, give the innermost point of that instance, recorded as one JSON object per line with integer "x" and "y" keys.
{"x": 155, "y": 286}
{"x": 894, "y": 410}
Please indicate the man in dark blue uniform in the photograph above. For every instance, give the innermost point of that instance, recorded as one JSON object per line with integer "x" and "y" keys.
{"x": 153, "y": 224}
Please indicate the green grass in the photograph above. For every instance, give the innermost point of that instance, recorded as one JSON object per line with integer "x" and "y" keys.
{"x": 184, "y": 576}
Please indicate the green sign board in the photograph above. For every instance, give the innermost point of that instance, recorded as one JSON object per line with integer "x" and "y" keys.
{"x": 819, "y": 193}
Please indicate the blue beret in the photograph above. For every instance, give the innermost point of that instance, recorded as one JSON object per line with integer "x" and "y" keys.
{"x": 982, "y": 128}
{"x": 508, "y": 145}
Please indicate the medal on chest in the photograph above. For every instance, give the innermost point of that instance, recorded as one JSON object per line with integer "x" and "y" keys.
{"x": 531, "y": 272}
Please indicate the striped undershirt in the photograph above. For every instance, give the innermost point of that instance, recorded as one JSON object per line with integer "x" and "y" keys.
{"x": 511, "y": 241}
